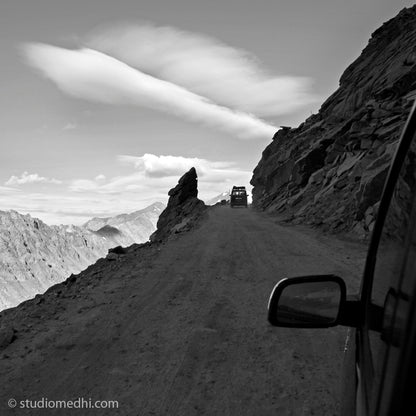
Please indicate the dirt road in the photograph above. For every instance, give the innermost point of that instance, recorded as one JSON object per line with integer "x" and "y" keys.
{"x": 181, "y": 329}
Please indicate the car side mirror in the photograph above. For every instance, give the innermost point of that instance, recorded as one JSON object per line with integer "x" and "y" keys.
{"x": 307, "y": 302}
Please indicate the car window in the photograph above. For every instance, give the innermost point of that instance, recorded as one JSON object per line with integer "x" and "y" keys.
{"x": 394, "y": 280}
{"x": 239, "y": 192}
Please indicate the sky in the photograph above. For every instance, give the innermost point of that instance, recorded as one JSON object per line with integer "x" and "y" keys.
{"x": 105, "y": 104}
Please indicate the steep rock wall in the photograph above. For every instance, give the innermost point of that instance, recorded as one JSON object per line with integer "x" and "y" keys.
{"x": 330, "y": 170}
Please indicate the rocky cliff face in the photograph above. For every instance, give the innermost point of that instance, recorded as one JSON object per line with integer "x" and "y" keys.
{"x": 183, "y": 209}
{"x": 35, "y": 256}
{"x": 330, "y": 170}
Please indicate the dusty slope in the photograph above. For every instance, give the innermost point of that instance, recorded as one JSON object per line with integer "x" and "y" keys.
{"x": 180, "y": 328}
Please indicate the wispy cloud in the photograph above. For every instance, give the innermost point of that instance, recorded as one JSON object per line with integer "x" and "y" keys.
{"x": 8, "y": 190}
{"x": 29, "y": 178}
{"x": 165, "y": 166}
{"x": 92, "y": 75}
{"x": 155, "y": 174}
{"x": 205, "y": 65}
{"x": 149, "y": 180}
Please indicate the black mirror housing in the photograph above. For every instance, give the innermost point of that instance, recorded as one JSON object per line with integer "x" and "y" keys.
{"x": 314, "y": 301}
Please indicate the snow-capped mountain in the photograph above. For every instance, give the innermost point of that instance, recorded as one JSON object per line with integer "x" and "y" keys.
{"x": 225, "y": 195}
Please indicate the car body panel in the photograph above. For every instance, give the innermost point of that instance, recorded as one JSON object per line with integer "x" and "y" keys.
{"x": 367, "y": 402}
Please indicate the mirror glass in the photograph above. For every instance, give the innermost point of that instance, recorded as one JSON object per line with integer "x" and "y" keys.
{"x": 313, "y": 303}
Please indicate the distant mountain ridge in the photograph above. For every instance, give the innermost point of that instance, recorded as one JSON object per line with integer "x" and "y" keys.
{"x": 35, "y": 256}
{"x": 108, "y": 231}
{"x": 225, "y": 195}
{"x": 134, "y": 227}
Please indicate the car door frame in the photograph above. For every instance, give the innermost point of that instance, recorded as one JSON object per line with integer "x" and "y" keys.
{"x": 364, "y": 369}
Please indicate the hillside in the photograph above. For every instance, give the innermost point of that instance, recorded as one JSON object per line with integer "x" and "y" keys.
{"x": 330, "y": 170}
{"x": 34, "y": 255}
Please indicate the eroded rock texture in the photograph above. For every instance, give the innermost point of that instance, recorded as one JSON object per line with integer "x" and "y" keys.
{"x": 183, "y": 208}
{"x": 330, "y": 170}
{"x": 34, "y": 255}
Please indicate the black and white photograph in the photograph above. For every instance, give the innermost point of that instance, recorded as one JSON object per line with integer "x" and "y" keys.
{"x": 208, "y": 207}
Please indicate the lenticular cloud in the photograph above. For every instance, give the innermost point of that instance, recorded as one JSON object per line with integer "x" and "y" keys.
{"x": 96, "y": 76}
{"x": 204, "y": 65}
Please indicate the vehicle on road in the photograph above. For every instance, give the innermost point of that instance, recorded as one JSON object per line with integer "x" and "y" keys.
{"x": 238, "y": 197}
{"x": 380, "y": 353}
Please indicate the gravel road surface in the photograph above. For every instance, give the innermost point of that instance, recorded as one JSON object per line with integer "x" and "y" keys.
{"x": 180, "y": 328}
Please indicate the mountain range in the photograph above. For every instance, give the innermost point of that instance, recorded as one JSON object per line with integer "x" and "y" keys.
{"x": 35, "y": 256}
{"x": 224, "y": 195}
{"x": 127, "y": 229}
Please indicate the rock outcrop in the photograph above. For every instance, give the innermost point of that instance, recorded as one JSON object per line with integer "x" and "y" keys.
{"x": 330, "y": 170}
{"x": 183, "y": 209}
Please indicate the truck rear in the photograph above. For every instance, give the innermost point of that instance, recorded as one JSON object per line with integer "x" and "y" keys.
{"x": 238, "y": 197}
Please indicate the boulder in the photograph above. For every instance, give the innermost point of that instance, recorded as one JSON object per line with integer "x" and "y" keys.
{"x": 112, "y": 257}
{"x": 183, "y": 204}
{"x": 118, "y": 250}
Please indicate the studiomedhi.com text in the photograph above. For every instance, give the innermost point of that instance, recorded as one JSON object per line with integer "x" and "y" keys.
{"x": 78, "y": 403}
